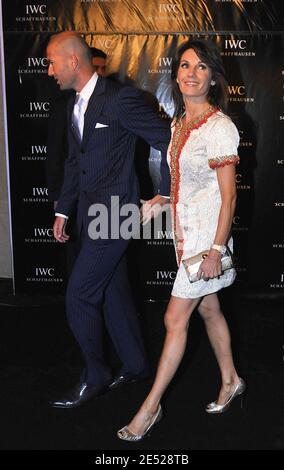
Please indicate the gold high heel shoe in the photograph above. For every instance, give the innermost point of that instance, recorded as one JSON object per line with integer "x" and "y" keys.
{"x": 126, "y": 435}
{"x": 239, "y": 390}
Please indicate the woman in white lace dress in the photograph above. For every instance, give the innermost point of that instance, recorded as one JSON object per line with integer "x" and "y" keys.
{"x": 202, "y": 156}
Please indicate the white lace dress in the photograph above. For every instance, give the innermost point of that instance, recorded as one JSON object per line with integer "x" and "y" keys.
{"x": 193, "y": 156}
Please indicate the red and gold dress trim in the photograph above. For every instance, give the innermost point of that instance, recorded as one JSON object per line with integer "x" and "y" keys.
{"x": 218, "y": 162}
{"x": 180, "y": 136}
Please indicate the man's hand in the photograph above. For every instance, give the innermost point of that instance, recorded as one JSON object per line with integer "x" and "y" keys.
{"x": 150, "y": 209}
{"x": 59, "y": 229}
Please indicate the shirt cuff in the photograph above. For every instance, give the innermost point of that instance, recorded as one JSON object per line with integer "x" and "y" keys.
{"x": 166, "y": 197}
{"x": 61, "y": 215}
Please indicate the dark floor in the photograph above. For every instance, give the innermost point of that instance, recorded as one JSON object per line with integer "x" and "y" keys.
{"x": 39, "y": 357}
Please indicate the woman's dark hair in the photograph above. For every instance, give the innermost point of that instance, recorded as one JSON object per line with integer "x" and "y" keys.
{"x": 209, "y": 54}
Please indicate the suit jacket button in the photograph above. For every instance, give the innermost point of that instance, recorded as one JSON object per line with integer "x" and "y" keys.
{"x": 83, "y": 172}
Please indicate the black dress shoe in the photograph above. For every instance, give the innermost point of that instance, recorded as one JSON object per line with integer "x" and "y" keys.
{"x": 79, "y": 395}
{"x": 121, "y": 380}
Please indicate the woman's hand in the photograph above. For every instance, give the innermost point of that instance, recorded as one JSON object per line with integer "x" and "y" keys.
{"x": 211, "y": 266}
{"x": 152, "y": 208}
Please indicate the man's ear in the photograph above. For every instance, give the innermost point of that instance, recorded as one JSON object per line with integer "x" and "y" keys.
{"x": 74, "y": 62}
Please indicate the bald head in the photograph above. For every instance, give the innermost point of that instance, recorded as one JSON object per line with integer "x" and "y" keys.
{"x": 71, "y": 43}
{"x": 70, "y": 60}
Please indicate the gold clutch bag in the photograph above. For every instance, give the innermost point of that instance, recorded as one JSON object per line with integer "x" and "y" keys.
{"x": 192, "y": 264}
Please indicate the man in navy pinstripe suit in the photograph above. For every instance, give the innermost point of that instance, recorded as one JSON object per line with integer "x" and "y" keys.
{"x": 103, "y": 121}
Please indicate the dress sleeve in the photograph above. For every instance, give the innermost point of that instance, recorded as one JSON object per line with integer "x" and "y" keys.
{"x": 222, "y": 144}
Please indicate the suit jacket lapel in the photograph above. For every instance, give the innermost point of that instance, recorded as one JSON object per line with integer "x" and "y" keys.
{"x": 94, "y": 109}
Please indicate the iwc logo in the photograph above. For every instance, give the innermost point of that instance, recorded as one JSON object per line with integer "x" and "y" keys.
{"x": 164, "y": 66}
{"x": 35, "y": 13}
{"x": 237, "y": 225}
{"x": 166, "y": 110}
{"x": 34, "y": 65}
{"x": 44, "y": 274}
{"x": 236, "y": 1}
{"x": 279, "y": 284}
{"x": 37, "y": 153}
{"x": 162, "y": 238}
{"x": 240, "y": 183}
{"x": 36, "y": 110}
{"x": 41, "y": 235}
{"x": 165, "y": 11}
{"x": 237, "y": 94}
{"x": 163, "y": 278}
{"x": 244, "y": 140}
{"x": 39, "y": 194}
{"x": 237, "y": 47}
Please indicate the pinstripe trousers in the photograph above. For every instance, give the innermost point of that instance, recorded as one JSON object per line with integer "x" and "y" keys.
{"x": 99, "y": 293}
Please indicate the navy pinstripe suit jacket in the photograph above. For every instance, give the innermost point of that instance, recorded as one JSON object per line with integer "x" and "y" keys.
{"x": 102, "y": 164}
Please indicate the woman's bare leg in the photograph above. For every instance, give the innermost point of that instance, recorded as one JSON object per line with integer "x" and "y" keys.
{"x": 219, "y": 336}
{"x": 176, "y": 321}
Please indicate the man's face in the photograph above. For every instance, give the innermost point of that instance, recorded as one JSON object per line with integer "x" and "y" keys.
{"x": 100, "y": 65}
{"x": 60, "y": 67}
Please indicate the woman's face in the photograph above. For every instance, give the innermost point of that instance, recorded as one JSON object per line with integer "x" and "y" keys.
{"x": 193, "y": 77}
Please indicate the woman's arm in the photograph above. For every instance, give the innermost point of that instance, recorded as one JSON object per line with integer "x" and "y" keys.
{"x": 211, "y": 266}
{"x": 227, "y": 184}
